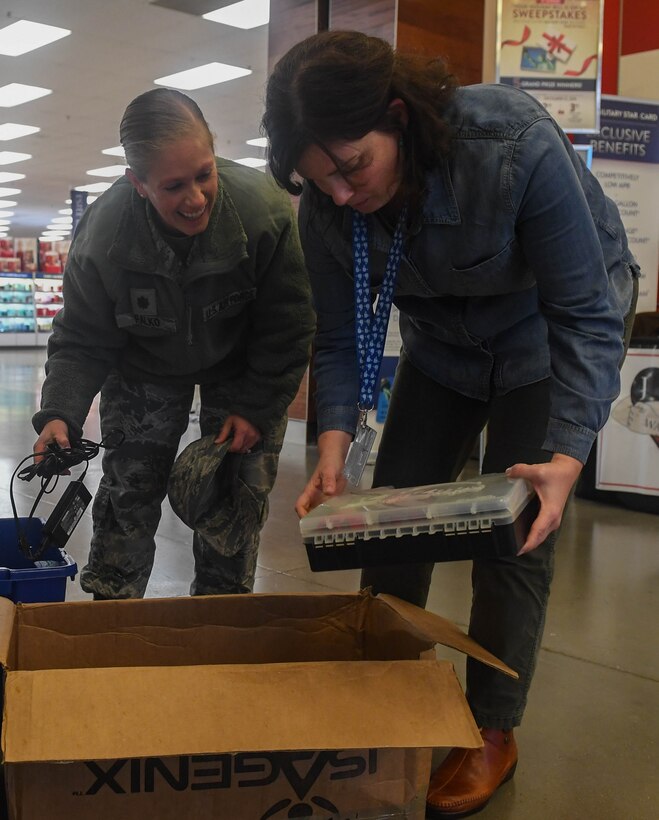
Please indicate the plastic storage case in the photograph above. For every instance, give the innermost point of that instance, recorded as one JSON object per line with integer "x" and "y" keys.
{"x": 484, "y": 517}
{"x": 23, "y": 580}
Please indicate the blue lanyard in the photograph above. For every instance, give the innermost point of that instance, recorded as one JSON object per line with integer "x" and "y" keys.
{"x": 371, "y": 326}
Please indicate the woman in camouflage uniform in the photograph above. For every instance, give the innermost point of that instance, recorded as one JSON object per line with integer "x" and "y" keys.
{"x": 186, "y": 272}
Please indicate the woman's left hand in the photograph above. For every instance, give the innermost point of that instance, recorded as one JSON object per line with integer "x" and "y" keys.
{"x": 245, "y": 435}
{"x": 552, "y": 482}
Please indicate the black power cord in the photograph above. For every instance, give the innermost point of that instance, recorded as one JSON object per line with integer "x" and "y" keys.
{"x": 53, "y": 462}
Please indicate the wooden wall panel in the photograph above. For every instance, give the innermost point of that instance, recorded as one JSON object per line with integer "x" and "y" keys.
{"x": 374, "y": 17}
{"x": 451, "y": 29}
{"x": 290, "y": 22}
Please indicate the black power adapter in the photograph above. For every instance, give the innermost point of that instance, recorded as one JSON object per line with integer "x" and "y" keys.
{"x": 68, "y": 511}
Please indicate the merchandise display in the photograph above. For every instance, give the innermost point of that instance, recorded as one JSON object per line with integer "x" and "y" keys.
{"x": 17, "y": 311}
{"x": 53, "y": 255}
{"x": 19, "y": 255}
{"x": 30, "y": 289}
{"x": 48, "y": 300}
{"x": 478, "y": 518}
{"x": 28, "y": 302}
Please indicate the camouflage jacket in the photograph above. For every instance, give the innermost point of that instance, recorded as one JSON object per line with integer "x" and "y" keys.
{"x": 236, "y": 313}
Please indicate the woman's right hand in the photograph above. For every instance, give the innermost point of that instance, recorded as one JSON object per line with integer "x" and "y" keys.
{"x": 327, "y": 479}
{"x": 57, "y": 432}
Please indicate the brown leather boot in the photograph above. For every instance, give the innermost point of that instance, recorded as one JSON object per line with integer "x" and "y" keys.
{"x": 467, "y": 779}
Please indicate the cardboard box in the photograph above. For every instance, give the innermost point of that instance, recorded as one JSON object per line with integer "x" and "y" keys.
{"x": 236, "y": 707}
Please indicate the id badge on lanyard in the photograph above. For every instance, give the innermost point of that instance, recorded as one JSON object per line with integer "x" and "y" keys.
{"x": 360, "y": 450}
{"x": 370, "y": 334}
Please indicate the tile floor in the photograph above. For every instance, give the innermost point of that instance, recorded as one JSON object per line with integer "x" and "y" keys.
{"x": 589, "y": 743}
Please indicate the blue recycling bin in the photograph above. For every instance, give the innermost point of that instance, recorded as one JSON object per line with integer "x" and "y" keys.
{"x": 25, "y": 581}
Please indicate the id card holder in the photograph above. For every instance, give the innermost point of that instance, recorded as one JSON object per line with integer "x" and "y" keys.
{"x": 360, "y": 450}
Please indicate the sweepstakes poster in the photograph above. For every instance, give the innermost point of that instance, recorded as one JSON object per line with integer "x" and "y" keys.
{"x": 628, "y": 444}
{"x": 552, "y": 50}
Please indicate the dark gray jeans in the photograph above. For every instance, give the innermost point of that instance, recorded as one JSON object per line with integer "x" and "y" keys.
{"x": 429, "y": 434}
{"x": 127, "y": 505}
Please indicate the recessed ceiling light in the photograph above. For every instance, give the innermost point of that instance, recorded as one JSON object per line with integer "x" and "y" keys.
{"x": 59, "y": 228}
{"x": 117, "y": 151}
{"x": 91, "y": 199}
{"x": 12, "y": 130}
{"x": 10, "y": 192}
{"x": 107, "y": 171}
{"x": 203, "y": 75}
{"x": 65, "y": 211}
{"x": 5, "y": 176}
{"x": 23, "y": 36}
{"x": 63, "y": 220}
{"x": 51, "y": 237}
{"x": 245, "y": 14}
{"x": 251, "y": 162}
{"x": 260, "y": 142}
{"x": 6, "y": 213}
{"x": 7, "y": 203}
{"x": 8, "y": 157}
{"x": 6, "y": 222}
{"x": 17, "y": 94}
{"x": 95, "y": 187}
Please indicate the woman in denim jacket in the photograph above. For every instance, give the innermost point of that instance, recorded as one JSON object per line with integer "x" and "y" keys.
{"x": 514, "y": 287}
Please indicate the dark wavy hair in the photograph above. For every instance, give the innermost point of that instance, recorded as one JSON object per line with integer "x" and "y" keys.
{"x": 337, "y": 85}
{"x": 154, "y": 119}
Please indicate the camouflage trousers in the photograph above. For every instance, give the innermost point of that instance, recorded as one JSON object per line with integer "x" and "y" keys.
{"x": 127, "y": 506}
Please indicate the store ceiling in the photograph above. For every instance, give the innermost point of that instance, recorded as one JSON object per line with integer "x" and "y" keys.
{"x": 114, "y": 52}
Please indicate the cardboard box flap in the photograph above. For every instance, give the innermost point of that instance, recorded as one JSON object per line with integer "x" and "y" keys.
{"x": 204, "y": 645}
{"x": 7, "y": 616}
{"x": 310, "y": 628}
{"x": 86, "y": 714}
{"x": 445, "y": 632}
{"x": 244, "y": 611}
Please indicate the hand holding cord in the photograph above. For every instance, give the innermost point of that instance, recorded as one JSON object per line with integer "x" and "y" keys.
{"x": 48, "y": 465}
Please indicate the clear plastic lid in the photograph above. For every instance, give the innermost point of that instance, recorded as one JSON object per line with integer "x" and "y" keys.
{"x": 494, "y": 495}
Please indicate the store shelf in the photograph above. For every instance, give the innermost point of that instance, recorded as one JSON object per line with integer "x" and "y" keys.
{"x": 28, "y": 303}
{"x": 48, "y": 301}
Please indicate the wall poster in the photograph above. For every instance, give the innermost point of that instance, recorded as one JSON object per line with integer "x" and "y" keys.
{"x": 626, "y": 163}
{"x": 628, "y": 444}
{"x": 552, "y": 49}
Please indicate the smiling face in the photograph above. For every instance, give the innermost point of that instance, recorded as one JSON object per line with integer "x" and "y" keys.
{"x": 181, "y": 183}
{"x": 365, "y": 174}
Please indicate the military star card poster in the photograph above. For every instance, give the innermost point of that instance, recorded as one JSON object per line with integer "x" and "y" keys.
{"x": 626, "y": 164}
{"x": 552, "y": 49}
